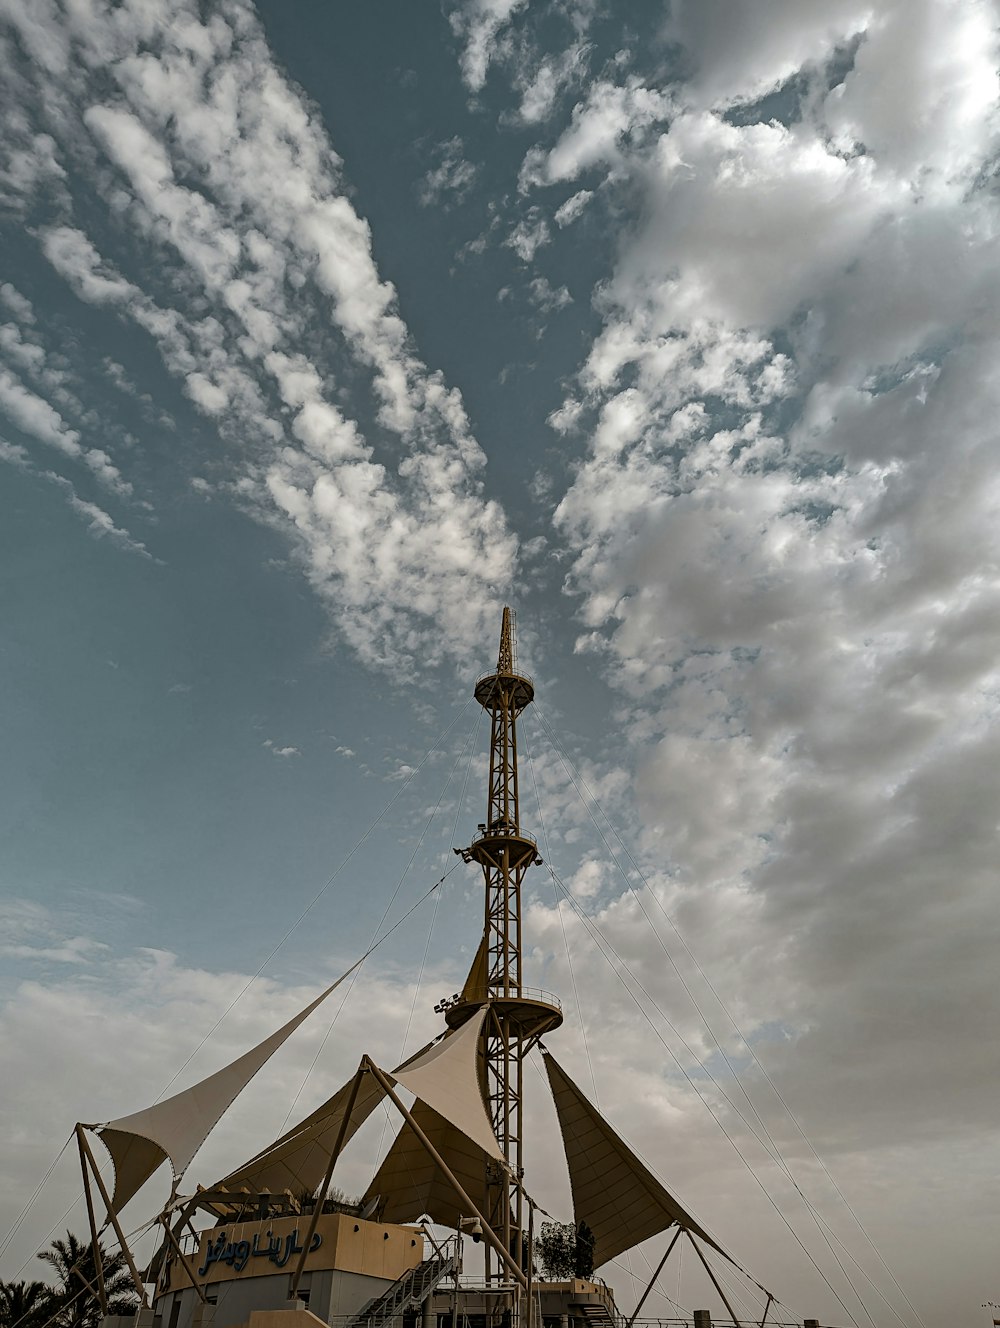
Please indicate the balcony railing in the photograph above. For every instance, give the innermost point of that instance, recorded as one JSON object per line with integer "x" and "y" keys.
{"x": 482, "y": 994}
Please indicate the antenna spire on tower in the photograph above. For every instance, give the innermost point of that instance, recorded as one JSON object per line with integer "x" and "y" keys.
{"x": 505, "y": 660}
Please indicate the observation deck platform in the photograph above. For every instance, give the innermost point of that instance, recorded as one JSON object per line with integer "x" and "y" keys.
{"x": 531, "y": 1011}
{"x": 496, "y": 691}
{"x": 502, "y": 840}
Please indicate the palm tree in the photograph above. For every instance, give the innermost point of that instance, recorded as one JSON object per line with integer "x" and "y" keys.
{"x": 76, "y": 1295}
{"x": 25, "y": 1304}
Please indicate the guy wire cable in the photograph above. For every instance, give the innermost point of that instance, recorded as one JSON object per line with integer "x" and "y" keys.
{"x": 771, "y": 1146}
{"x": 470, "y": 747}
{"x": 399, "y": 885}
{"x": 562, "y": 922}
{"x": 739, "y": 1032}
{"x": 602, "y": 942}
{"x": 34, "y": 1195}
{"x": 376, "y": 942}
{"x": 579, "y": 1007}
{"x": 318, "y": 896}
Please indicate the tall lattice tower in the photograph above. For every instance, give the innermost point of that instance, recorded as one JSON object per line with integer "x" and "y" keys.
{"x": 516, "y": 1018}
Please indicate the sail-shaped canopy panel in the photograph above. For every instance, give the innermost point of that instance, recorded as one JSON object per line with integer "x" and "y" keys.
{"x": 409, "y": 1181}
{"x": 613, "y": 1192}
{"x": 175, "y": 1129}
{"x": 299, "y": 1159}
{"x": 475, "y": 983}
{"x": 446, "y": 1078}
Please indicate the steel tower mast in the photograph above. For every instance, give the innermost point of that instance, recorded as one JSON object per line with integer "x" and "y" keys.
{"x": 516, "y": 1019}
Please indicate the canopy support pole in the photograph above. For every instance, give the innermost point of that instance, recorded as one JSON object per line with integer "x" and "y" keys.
{"x": 715, "y": 1281}
{"x": 770, "y": 1301}
{"x": 531, "y": 1259}
{"x": 321, "y": 1197}
{"x": 652, "y": 1280}
{"x": 113, "y": 1216}
{"x": 91, "y": 1217}
{"x": 185, "y": 1262}
{"x": 472, "y": 1211}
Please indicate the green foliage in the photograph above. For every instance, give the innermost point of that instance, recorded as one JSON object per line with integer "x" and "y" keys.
{"x": 73, "y": 1302}
{"x": 564, "y": 1251}
{"x": 26, "y": 1304}
{"x": 555, "y": 1250}
{"x": 583, "y": 1261}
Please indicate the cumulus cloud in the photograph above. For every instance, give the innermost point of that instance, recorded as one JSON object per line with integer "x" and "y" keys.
{"x": 222, "y": 167}
{"x": 546, "y": 297}
{"x": 529, "y": 235}
{"x": 276, "y": 750}
{"x": 35, "y": 416}
{"x": 600, "y": 124}
{"x": 451, "y": 178}
{"x": 478, "y": 24}
{"x": 785, "y": 530}
{"x": 548, "y": 80}
{"x": 568, "y": 212}
{"x": 18, "y": 304}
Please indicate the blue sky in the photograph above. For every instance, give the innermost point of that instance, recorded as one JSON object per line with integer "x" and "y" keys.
{"x": 325, "y": 331}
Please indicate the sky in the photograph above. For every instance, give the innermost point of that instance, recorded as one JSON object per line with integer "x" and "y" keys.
{"x": 325, "y": 331}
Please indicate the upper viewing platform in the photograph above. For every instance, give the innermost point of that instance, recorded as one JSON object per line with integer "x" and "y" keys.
{"x": 530, "y": 1010}
{"x": 498, "y": 691}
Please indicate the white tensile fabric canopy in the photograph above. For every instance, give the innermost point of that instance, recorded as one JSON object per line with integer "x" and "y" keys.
{"x": 299, "y": 1159}
{"x": 409, "y": 1182}
{"x": 446, "y": 1078}
{"x": 613, "y": 1192}
{"x": 175, "y": 1129}
{"x": 443, "y": 1077}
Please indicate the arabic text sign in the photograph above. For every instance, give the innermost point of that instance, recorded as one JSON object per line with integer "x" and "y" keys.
{"x": 238, "y": 1253}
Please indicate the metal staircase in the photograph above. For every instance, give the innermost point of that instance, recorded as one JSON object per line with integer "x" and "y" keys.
{"x": 411, "y": 1289}
{"x": 598, "y": 1315}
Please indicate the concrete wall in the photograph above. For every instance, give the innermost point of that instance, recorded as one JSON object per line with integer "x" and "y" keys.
{"x": 332, "y": 1294}
{"x": 237, "y": 1251}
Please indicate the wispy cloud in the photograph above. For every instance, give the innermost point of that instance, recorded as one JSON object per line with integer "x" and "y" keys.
{"x": 99, "y": 523}
{"x": 277, "y": 750}
{"x": 479, "y": 24}
{"x": 452, "y": 177}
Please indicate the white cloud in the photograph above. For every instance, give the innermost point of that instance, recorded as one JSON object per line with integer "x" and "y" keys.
{"x": 743, "y": 53}
{"x": 73, "y": 950}
{"x": 13, "y": 454}
{"x": 568, "y": 212}
{"x": 596, "y": 135}
{"x": 99, "y": 523}
{"x": 545, "y": 297}
{"x": 35, "y": 416}
{"x": 30, "y": 165}
{"x": 479, "y": 24}
{"x": 283, "y": 752}
{"x": 18, "y": 304}
{"x": 922, "y": 94}
{"x": 220, "y": 166}
{"x": 547, "y": 82}
{"x": 528, "y": 236}
{"x": 452, "y": 177}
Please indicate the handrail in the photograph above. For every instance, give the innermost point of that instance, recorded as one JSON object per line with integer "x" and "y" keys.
{"x": 492, "y": 673}
{"x": 505, "y": 831}
{"x": 481, "y": 995}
